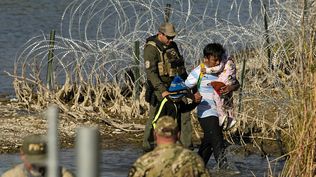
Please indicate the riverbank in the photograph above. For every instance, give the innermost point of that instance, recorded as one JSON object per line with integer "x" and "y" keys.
{"x": 16, "y": 122}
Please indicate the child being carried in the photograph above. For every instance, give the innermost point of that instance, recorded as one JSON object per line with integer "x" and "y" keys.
{"x": 224, "y": 87}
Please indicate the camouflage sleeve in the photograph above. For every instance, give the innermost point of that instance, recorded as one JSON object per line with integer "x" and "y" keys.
{"x": 151, "y": 59}
{"x": 190, "y": 164}
{"x": 195, "y": 167}
{"x": 201, "y": 169}
{"x": 136, "y": 172}
{"x": 67, "y": 173}
{"x": 8, "y": 174}
{"x": 17, "y": 170}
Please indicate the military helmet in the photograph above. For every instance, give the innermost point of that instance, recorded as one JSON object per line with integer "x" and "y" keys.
{"x": 34, "y": 147}
{"x": 167, "y": 29}
{"x": 166, "y": 126}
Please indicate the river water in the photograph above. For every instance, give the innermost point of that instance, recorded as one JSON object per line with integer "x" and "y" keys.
{"x": 21, "y": 20}
{"x": 116, "y": 163}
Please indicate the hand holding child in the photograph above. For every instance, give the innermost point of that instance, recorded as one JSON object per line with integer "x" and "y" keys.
{"x": 197, "y": 97}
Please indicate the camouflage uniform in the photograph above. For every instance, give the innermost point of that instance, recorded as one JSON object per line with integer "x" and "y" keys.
{"x": 169, "y": 160}
{"x": 34, "y": 153}
{"x": 20, "y": 171}
{"x": 155, "y": 52}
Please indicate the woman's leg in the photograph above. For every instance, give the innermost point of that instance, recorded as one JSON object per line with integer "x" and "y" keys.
{"x": 205, "y": 150}
{"x": 217, "y": 140}
{"x": 213, "y": 139}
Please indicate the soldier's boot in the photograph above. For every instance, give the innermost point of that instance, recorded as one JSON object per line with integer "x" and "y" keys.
{"x": 186, "y": 131}
{"x": 148, "y": 139}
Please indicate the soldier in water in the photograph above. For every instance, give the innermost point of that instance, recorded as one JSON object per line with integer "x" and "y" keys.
{"x": 168, "y": 158}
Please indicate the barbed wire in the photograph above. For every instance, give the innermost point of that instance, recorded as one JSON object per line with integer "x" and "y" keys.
{"x": 96, "y": 43}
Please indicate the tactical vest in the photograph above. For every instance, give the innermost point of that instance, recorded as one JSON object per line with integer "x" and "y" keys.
{"x": 170, "y": 62}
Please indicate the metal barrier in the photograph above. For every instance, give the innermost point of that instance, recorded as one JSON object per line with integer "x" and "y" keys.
{"x": 87, "y": 146}
{"x": 53, "y": 155}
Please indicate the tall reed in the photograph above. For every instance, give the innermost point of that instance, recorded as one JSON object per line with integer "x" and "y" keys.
{"x": 302, "y": 142}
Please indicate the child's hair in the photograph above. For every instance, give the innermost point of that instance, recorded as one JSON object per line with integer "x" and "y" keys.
{"x": 214, "y": 49}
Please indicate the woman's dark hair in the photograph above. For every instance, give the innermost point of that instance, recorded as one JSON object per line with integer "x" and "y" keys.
{"x": 213, "y": 49}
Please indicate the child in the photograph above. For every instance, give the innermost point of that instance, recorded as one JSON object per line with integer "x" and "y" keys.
{"x": 175, "y": 102}
{"x": 226, "y": 72}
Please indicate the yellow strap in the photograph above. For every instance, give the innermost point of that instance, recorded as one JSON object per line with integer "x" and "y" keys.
{"x": 159, "y": 111}
{"x": 201, "y": 75}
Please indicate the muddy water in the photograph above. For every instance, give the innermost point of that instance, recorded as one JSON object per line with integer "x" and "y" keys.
{"x": 116, "y": 163}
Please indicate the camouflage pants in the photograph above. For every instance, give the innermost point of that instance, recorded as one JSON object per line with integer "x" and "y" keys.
{"x": 186, "y": 130}
{"x": 185, "y": 136}
{"x": 148, "y": 139}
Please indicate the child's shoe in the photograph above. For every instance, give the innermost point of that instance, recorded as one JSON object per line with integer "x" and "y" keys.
{"x": 222, "y": 120}
{"x": 230, "y": 123}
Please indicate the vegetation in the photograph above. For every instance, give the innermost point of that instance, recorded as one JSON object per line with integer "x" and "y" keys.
{"x": 94, "y": 66}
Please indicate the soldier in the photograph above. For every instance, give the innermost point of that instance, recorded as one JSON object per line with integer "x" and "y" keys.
{"x": 33, "y": 154}
{"x": 168, "y": 158}
{"x": 162, "y": 62}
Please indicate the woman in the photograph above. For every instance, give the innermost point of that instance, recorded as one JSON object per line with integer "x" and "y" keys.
{"x": 213, "y": 140}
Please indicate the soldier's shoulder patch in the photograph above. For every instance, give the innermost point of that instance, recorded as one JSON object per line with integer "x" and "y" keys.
{"x": 147, "y": 64}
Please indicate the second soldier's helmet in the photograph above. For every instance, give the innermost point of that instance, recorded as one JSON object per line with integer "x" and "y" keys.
{"x": 166, "y": 126}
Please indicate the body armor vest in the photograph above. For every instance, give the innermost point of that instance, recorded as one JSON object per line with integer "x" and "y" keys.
{"x": 171, "y": 62}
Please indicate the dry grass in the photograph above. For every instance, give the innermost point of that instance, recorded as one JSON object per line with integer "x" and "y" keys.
{"x": 91, "y": 69}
